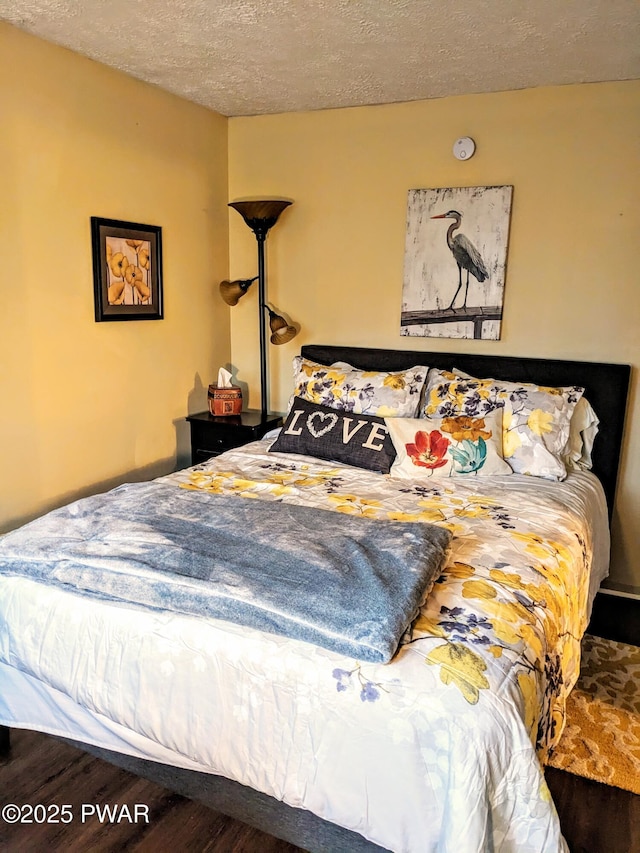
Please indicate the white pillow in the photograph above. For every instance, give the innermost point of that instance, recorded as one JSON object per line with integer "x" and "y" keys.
{"x": 436, "y": 448}
{"x": 582, "y": 432}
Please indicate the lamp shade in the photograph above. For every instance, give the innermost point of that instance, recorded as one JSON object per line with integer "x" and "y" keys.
{"x": 232, "y": 291}
{"x": 262, "y": 215}
{"x": 281, "y": 331}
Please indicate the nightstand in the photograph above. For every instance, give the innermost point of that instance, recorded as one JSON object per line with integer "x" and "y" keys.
{"x": 211, "y": 436}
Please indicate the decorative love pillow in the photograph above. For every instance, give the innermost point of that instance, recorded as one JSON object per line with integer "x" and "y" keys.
{"x": 447, "y": 447}
{"x": 326, "y": 433}
{"x": 371, "y": 392}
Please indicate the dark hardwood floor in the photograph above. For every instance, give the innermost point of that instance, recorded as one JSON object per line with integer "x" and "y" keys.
{"x": 44, "y": 770}
{"x": 595, "y": 818}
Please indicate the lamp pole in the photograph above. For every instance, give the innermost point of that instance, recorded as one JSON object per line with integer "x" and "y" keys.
{"x": 264, "y": 395}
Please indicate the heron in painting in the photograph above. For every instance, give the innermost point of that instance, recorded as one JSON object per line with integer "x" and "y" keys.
{"x": 465, "y": 254}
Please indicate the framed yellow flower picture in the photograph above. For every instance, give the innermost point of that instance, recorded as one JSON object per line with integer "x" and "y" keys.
{"x": 127, "y": 270}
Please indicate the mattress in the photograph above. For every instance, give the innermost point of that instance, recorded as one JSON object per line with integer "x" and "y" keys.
{"x": 441, "y": 749}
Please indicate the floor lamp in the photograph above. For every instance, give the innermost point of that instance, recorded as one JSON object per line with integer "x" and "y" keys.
{"x": 260, "y": 216}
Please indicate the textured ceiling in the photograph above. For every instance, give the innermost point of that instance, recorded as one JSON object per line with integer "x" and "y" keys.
{"x": 245, "y": 57}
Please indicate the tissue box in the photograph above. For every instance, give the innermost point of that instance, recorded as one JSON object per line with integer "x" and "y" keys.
{"x": 225, "y": 401}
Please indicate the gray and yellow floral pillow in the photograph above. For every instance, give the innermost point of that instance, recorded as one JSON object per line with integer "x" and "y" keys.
{"x": 341, "y": 386}
{"x": 536, "y": 419}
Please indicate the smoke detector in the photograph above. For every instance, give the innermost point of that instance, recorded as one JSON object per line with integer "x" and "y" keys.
{"x": 464, "y": 148}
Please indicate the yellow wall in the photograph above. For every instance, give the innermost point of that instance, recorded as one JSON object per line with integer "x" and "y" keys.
{"x": 86, "y": 404}
{"x": 335, "y": 258}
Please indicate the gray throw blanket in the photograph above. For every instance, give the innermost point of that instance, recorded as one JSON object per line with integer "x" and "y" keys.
{"x": 349, "y": 584}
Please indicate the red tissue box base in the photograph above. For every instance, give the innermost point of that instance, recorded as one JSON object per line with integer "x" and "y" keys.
{"x": 225, "y": 401}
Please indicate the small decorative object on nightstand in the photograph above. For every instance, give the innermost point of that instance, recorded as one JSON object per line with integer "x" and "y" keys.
{"x": 211, "y": 436}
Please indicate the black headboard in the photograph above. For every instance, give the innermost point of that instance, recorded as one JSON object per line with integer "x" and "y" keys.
{"x": 606, "y": 386}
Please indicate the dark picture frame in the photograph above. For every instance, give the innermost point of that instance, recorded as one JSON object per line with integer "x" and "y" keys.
{"x": 127, "y": 270}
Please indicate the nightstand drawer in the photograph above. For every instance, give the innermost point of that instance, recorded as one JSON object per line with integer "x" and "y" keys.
{"x": 217, "y": 440}
{"x": 211, "y": 436}
{"x": 201, "y": 454}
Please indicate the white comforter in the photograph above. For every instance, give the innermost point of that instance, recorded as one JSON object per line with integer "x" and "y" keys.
{"x": 438, "y": 750}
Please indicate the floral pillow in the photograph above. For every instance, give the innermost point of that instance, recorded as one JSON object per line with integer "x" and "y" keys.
{"x": 447, "y": 447}
{"x": 341, "y": 386}
{"x": 536, "y": 420}
{"x": 583, "y": 429}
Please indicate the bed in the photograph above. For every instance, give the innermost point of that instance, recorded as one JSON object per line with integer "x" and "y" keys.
{"x": 439, "y": 748}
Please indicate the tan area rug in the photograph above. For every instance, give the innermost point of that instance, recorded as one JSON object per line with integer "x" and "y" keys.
{"x": 601, "y": 739}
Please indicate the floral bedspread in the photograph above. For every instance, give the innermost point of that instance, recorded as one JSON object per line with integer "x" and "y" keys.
{"x": 439, "y": 750}
{"x": 510, "y": 602}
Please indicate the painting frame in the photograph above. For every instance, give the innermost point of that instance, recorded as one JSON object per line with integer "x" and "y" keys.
{"x": 127, "y": 270}
{"x": 454, "y": 281}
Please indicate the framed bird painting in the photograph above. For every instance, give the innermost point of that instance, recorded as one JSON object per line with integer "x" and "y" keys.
{"x": 455, "y": 262}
